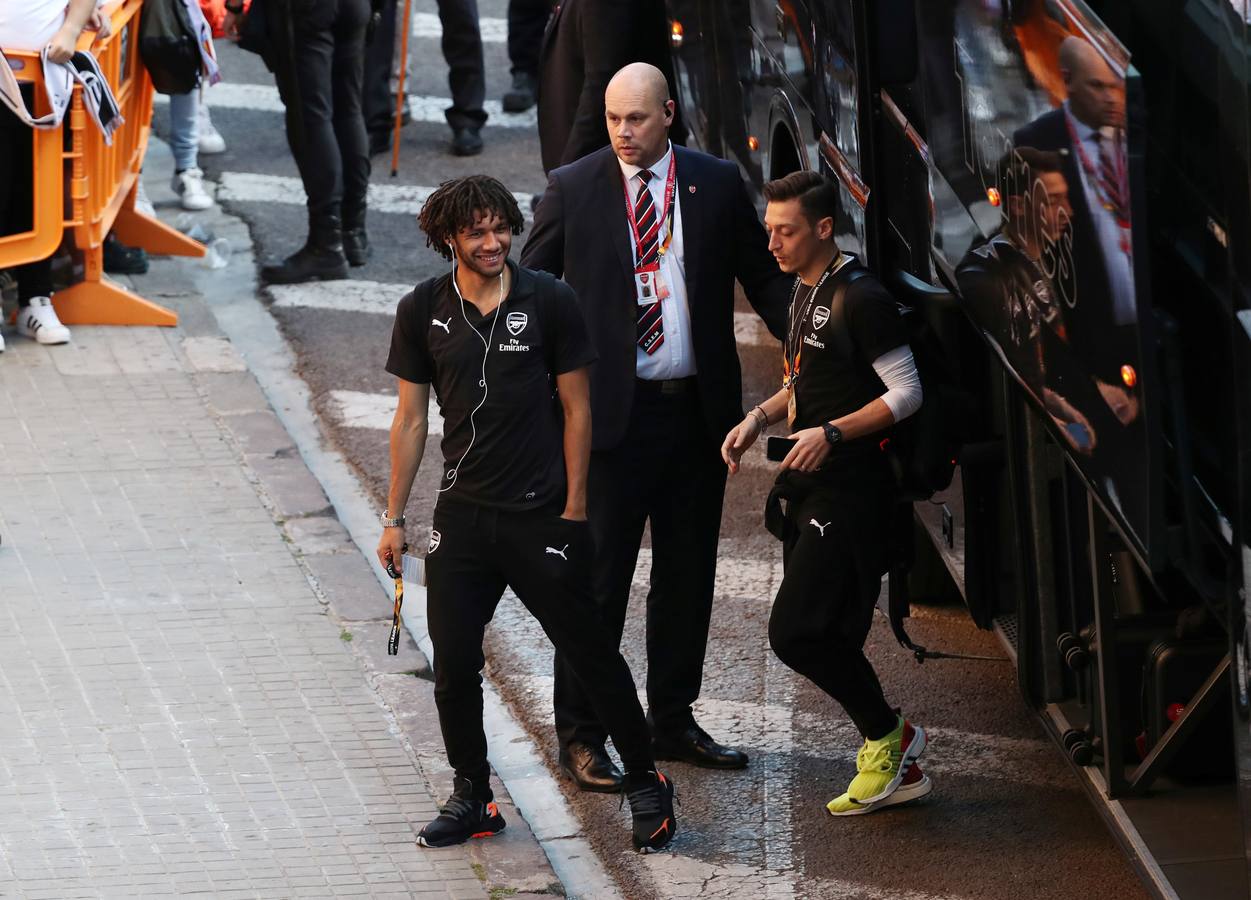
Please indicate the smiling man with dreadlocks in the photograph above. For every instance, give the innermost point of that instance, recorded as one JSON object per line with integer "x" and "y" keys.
{"x": 493, "y": 339}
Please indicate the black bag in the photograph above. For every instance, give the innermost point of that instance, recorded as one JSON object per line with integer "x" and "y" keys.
{"x": 922, "y": 449}
{"x": 167, "y": 45}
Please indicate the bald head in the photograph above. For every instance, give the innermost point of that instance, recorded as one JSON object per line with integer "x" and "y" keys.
{"x": 1096, "y": 91}
{"x": 638, "y": 113}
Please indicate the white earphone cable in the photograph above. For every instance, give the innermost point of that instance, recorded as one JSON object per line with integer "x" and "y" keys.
{"x": 482, "y": 383}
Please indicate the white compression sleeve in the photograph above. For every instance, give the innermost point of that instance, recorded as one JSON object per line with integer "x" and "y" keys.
{"x": 898, "y": 371}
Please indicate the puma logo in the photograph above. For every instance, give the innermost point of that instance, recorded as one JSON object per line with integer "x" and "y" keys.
{"x": 443, "y": 325}
{"x": 560, "y": 552}
{"x": 818, "y": 526}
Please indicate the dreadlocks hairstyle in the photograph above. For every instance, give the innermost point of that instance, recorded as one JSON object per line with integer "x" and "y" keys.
{"x": 459, "y": 203}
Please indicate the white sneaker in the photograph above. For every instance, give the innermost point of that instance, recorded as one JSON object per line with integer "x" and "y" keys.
{"x": 39, "y": 321}
{"x": 142, "y": 203}
{"x": 1, "y": 341}
{"x": 211, "y": 140}
{"x": 189, "y": 185}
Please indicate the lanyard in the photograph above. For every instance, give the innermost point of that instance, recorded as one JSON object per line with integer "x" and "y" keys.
{"x": 794, "y": 347}
{"x": 1096, "y": 177}
{"x": 667, "y": 214}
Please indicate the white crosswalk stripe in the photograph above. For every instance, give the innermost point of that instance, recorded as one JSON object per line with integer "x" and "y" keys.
{"x": 493, "y": 30}
{"x": 356, "y": 409}
{"x": 423, "y": 108}
{"x": 380, "y": 297}
{"x": 400, "y": 199}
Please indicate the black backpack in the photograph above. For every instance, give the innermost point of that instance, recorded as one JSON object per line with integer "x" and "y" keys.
{"x": 167, "y": 45}
{"x": 923, "y": 447}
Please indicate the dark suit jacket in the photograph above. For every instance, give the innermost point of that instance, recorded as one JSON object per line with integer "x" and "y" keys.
{"x": 580, "y": 233}
{"x": 1093, "y": 333}
{"x": 585, "y": 43}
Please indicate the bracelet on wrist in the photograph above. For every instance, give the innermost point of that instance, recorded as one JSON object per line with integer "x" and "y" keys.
{"x": 763, "y": 421}
{"x": 388, "y": 521}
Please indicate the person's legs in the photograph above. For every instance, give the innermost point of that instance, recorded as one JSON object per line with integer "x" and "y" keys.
{"x": 349, "y": 124}
{"x": 36, "y": 317}
{"x": 686, "y": 521}
{"x": 378, "y": 106}
{"x": 526, "y": 21}
{"x": 184, "y": 129}
{"x": 464, "y": 585}
{"x": 548, "y": 562}
{"x": 462, "y": 48}
{"x": 822, "y": 613}
{"x": 617, "y": 514}
{"x": 309, "y": 101}
{"x": 184, "y": 141}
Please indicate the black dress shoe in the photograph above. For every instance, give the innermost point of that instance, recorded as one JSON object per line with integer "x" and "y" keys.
{"x": 521, "y": 97}
{"x": 697, "y": 748}
{"x": 356, "y": 246}
{"x": 308, "y": 264}
{"x": 590, "y": 768}
{"x": 379, "y": 141}
{"x": 466, "y": 142}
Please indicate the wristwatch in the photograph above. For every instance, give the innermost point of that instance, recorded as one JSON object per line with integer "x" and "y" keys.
{"x": 832, "y": 433}
{"x": 389, "y": 522}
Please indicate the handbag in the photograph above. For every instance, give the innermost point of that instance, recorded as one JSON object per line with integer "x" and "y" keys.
{"x": 168, "y": 47}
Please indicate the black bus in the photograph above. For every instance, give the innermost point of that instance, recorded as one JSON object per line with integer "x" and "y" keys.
{"x": 1063, "y": 188}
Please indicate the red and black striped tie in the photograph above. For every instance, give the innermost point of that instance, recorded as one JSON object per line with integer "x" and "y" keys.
{"x": 651, "y": 323}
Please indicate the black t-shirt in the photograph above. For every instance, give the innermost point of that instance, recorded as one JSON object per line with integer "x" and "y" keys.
{"x": 832, "y": 382}
{"x": 516, "y": 459}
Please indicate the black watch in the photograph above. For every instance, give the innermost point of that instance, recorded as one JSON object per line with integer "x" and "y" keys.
{"x": 832, "y": 433}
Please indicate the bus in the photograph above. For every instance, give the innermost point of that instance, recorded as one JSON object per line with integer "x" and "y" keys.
{"x": 1062, "y": 188}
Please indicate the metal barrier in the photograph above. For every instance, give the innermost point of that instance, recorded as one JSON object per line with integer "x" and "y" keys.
{"x": 102, "y": 182}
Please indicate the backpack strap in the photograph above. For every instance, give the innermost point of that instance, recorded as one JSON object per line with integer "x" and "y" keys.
{"x": 838, "y": 311}
{"x": 544, "y": 299}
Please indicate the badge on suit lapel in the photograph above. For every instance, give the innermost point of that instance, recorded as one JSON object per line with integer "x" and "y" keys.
{"x": 691, "y": 188}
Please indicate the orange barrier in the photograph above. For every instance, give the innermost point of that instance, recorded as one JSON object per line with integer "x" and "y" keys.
{"x": 102, "y": 184}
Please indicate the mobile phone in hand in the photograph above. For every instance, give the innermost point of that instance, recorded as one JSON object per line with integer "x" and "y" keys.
{"x": 777, "y": 447}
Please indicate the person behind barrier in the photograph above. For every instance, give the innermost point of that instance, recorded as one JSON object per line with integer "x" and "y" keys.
{"x": 33, "y": 25}
{"x": 492, "y": 338}
{"x": 629, "y": 226}
{"x": 318, "y": 51}
{"x": 835, "y": 479}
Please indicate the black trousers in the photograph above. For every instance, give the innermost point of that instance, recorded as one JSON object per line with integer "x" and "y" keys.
{"x": 526, "y": 21}
{"x": 667, "y": 471}
{"x": 547, "y": 562}
{"x": 332, "y": 152}
{"x": 17, "y": 197}
{"x": 466, "y": 75}
{"x": 378, "y": 104}
{"x": 834, "y": 556}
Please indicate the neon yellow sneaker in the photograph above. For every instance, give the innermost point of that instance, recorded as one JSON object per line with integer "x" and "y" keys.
{"x": 881, "y": 767}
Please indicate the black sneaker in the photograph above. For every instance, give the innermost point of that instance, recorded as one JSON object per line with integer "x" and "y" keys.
{"x": 651, "y": 807}
{"x": 120, "y": 259}
{"x": 462, "y": 818}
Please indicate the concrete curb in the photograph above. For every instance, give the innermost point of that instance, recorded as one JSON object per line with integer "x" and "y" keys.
{"x": 231, "y": 295}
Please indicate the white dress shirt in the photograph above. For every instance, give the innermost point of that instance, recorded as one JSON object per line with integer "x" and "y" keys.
{"x": 1116, "y": 261}
{"x": 676, "y": 356}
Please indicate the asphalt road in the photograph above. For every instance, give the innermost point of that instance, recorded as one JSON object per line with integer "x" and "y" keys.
{"x": 1006, "y": 818}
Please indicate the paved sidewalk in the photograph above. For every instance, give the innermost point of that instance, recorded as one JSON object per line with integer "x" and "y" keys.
{"x": 179, "y": 713}
{"x": 182, "y": 711}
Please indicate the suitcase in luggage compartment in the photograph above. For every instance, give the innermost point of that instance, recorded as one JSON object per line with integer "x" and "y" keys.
{"x": 1174, "y": 670}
